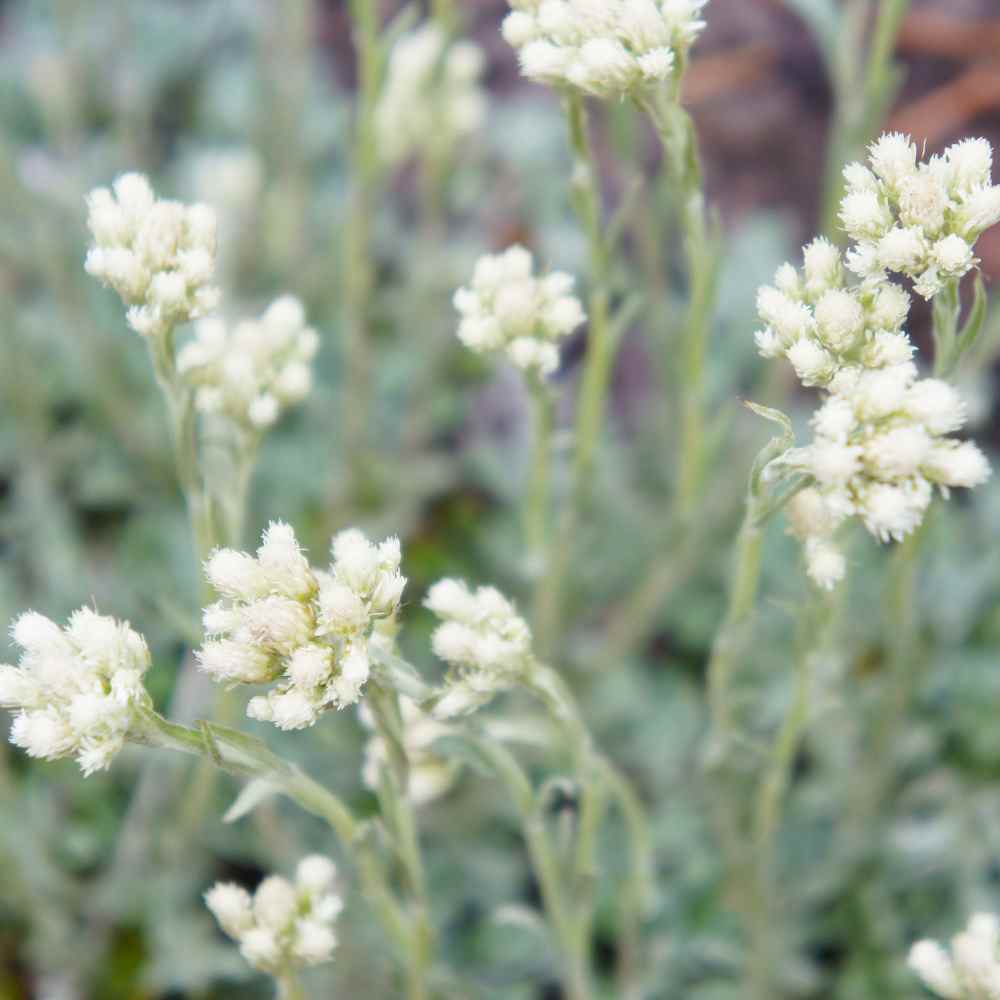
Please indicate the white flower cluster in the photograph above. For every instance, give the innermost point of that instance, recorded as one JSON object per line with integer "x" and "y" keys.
{"x": 507, "y": 308}
{"x": 280, "y": 620}
{"x": 431, "y": 99}
{"x": 919, "y": 219}
{"x": 430, "y": 776}
{"x": 482, "y": 638}
{"x": 158, "y": 255}
{"x": 603, "y": 47}
{"x": 256, "y": 369}
{"x": 881, "y": 441}
{"x": 76, "y": 688}
{"x": 283, "y": 926}
{"x": 971, "y": 971}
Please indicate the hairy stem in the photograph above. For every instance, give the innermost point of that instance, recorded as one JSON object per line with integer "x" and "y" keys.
{"x": 680, "y": 149}
{"x": 536, "y": 511}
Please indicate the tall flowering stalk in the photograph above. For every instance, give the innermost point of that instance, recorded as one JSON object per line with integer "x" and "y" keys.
{"x": 881, "y": 443}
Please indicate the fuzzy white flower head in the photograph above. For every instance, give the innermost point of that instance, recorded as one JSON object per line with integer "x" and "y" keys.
{"x": 507, "y": 307}
{"x": 971, "y": 971}
{"x": 256, "y": 369}
{"x": 159, "y": 256}
{"x": 919, "y": 219}
{"x": 76, "y": 690}
{"x": 606, "y": 48}
{"x": 432, "y": 99}
{"x": 284, "y": 925}
{"x": 307, "y": 630}
{"x": 482, "y": 638}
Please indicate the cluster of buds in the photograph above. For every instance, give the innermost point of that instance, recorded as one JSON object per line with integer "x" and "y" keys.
{"x": 429, "y": 776}
{"x": 880, "y": 447}
{"x": 158, "y": 255}
{"x": 283, "y": 926}
{"x": 507, "y": 308}
{"x": 881, "y": 440}
{"x": 919, "y": 219}
{"x": 76, "y": 689}
{"x": 823, "y": 326}
{"x": 251, "y": 372}
{"x": 483, "y": 640}
{"x": 971, "y": 971}
{"x": 432, "y": 98}
{"x": 280, "y": 621}
{"x": 606, "y": 48}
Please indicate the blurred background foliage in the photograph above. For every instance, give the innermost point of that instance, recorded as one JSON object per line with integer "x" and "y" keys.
{"x": 247, "y": 104}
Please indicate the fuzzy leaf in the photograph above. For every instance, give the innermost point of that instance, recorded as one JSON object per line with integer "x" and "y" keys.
{"x": 251, "y": 795}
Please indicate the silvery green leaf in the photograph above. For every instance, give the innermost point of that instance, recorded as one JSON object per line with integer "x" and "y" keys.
{"x": 251, "y": 795}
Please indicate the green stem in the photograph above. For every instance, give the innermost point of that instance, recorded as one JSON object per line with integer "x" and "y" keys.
{"x": 586, "y": 198}
{"x": 947, "y": 310}
{"x": 358, "y": 272}
{"x": 677, "y": 135}
{"x": 771, "y": 792}
{"x": 536, "y": 513}
{"x": 557, "y": 901}
{"x": 398, "y": 811}
{"x": 289, "y": 987}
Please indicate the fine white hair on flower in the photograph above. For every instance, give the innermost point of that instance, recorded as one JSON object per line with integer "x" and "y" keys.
{"x": 254, "y": 370}
{"x": 431, "y": 99}
{"x": 76, "y": 689}
{"x": 919, "y": 219}
{"x": 430, "y": 776}
{"x": 483, "y": 640}
{"x": 970, "y": 970}
{"x": 284, "y": 924}
{"x": 606, "y": 48}
{"x": 508, "y": 308}
{"x": 306, "y": 630}
{"x": 158, "y": 255}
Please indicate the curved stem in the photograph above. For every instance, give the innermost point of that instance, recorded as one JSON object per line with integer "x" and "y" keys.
{"x": 536, "y": 511}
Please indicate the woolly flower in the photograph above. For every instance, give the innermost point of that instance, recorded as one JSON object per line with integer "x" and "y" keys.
{"x": 919, "y": 219}
{"x": 75, "y": 689}
{"x": 432, "y": 98}
{"x": 603, "y": 47}
{"x": 823, "y": 326}
{"x": 971, "y": 971}
{"x": 254, "y": 370}
{"x": 284, "y": 925}
{"x": 430, "y": 776}
{"x": 482, "y": 638}
{"x": 507, "y": 308}
{"x": 880, "y": 447}
{"x": 280, "y": 621}
{"x": 159, "y": 256}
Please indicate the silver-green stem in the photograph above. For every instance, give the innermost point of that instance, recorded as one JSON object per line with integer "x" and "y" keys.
{"x": 358, "y": 272}
{"x": 289, "y": 987}
{"x": 677, "y": 135}
{"x": 397, "y": 809}
{"x": 537, "y": 496}
{"x": 812, "y": 633}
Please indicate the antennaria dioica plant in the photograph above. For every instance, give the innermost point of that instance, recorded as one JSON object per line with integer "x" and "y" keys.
{"x": 524, "y": 804}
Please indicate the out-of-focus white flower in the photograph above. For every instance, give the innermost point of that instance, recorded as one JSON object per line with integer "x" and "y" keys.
{"x": 307, "y": 630}
{"x": 253, "y": 371}
{"x": 508, "y": 308}
{"x": 159, "y": 256}
{"x": 76, "y": 689}
{"x": 284, "y": 925}
{"x": 603, "y": 47}
{"x": 482, "y": 638}
{"x": 432, "y": 98}
{"x": 920, "y": 219}
{"x": 430, "y": 776}
{"x": 971, "y": 971}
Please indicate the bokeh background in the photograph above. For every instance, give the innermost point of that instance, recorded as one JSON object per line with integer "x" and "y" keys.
{"x": 248, "y": 104}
